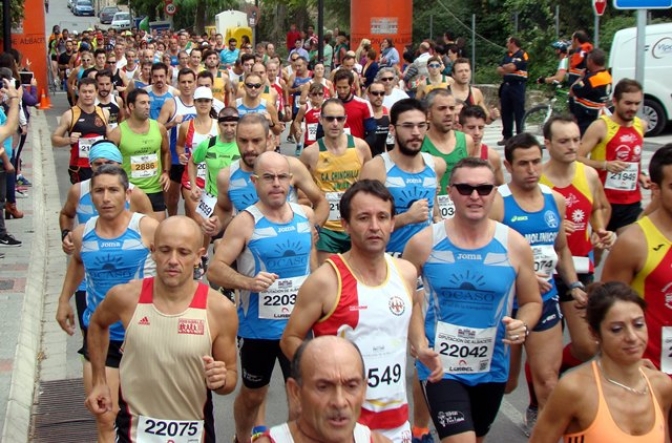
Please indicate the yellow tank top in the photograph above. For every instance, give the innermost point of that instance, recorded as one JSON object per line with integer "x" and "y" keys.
{"x": 219, "y": 87}
{"x": 162, "y": 376}
{"x": 430, "y": 87}
{"x": 604, "y": 430}
{"x": 334, "y": 174}
{"x": 600, "y": 151}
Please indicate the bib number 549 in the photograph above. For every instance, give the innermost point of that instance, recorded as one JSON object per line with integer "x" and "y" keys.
{"x": 386, "y": 375}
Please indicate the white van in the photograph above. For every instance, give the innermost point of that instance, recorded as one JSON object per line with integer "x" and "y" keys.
{"x": 657, "y": 69}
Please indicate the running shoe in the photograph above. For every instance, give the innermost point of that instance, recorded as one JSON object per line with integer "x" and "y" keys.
{"x": 426, "y": 438}
{"x": 23, "y": 181}
{"x": 9, "y": 240}
{"x": 530, "y": 420}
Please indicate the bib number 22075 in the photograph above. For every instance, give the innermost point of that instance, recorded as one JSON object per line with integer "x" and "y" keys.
{"x": 153, "y": 430}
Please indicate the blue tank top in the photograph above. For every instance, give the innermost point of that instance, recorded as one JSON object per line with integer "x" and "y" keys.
{"x": 174, "y": 61}
{"x": 242, "y": 192}
{"x": 242, "y": 109}
{"x": 540, "y": 229}
{"x": 298, "y": 81}
{"x": 470, "y": 291}
{"x": 112, "y": 261}
{"x": 156, "y": 102}
{"x": 283, "y": 249}
{"x": 85, "y": 210}
{"x": 406, "y": 188}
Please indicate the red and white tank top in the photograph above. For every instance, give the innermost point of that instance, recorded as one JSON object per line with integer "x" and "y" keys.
{"x": 191, "y": 142}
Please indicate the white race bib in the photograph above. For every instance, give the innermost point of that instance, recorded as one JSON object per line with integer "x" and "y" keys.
{"x": 206, "y": 207}
{"x": 581, "y": 265}
{"x": 312, "y": 132}
{"x": 464, "y": 350}
{"x": 384, "y": 358}
{"x": 545, "y": 259}
{"x": 666, "y": 350}
{"x": 277, "y": 302}
{"x": 202, "y": 170}
{"x": 85, "y": 145}
{"x": 626, "y": 180}
{"x": 144, "y": 166}
{"x": 154, "y": 430}
{"x": 334, "y": 200}
{"x": 347, "y": 131}
{"x": 446, "y": 206}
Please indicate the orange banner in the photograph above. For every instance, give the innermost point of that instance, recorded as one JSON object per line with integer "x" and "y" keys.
{"x": 32, "y": 43}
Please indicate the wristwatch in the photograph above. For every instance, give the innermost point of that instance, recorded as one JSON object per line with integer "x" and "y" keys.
{"x": 576, "y": 285}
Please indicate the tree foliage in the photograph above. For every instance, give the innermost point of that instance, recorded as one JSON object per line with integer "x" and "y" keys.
{"x": 17, "y": 10}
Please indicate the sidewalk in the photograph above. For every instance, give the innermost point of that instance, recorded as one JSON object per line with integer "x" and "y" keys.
{"x": 30, "y": 279}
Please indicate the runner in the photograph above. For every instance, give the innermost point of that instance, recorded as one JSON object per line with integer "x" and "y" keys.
{"x": 367, "y": 276}
{"x": 335, "y": 162}
{"x": 468, "y": 319}
{"x": 308, "y": 118}
{"x": 435, "y": 79}
{"x": 106, "y": 99}
{"x": 85, "y": 123}
{"x": 472, "y": 122}
{"x": 143, "y": 144}
{"x": 111, "y": 248}
{"x": 258, "y": 239}
{"x": 384, "y": 138}
{"x": 165, "y": 316}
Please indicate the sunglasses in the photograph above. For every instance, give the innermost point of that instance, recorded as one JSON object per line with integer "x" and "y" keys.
{"x": 386, "y": 79}
{"x": 202, "y": 100}
{"x": 434, "y": 65}
{"x": 110, "y": 62}
{"x": 377, "y": 93}
{"x": 332, "y": 118}
{"x": 253, "y": 85}
{"x": 270, "y": 178}
{"x": 465, "y": 189}
{"x": 316, "y": 94}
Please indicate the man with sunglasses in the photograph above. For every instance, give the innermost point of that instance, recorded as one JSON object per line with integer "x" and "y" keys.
{"x": 301, "y": 76}
{"x": 388, "y": 77}
{"x": 412, "y": 176}
{"x": 335, "y": 162}
{"x": 253, "y": 103}
{"x": 473, "y": 267}
{"x": 537, "y": 212}
{"x": 435, "y": 79}
{"x": 271, "y": 242}
{"x": 384, "y": 138}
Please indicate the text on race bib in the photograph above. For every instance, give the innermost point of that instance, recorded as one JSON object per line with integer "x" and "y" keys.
{"x": 626, "y": 180}
{"x": 464, "y": 350}
{"x": 383, "y": 357}
{"x": 334, "y": 200}
{"x": 446, "y": 206}
{"x": 144, "y": 166}
{"x": 152, "y": 430}
{"x": 312, "y": 132}
{"x": 85, "y": 145}
{"x": 278, "y": 301}
{"x": 666, "y": 350}
{"x": 545, "y": 259}
{"x": 206, "y": 206}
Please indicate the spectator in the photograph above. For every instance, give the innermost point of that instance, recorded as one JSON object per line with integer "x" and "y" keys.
{"x": 389, "y": 56}
{"x": 360, "y": 53}
{"x": 513, "y": 70}
{"x": 298, "y": 49}
{"x": 292, "y": 36}
{"x": 229, "y": 55}
{"x": 370, "y": 68}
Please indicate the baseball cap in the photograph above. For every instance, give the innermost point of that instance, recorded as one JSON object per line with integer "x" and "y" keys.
{"x": 203, "y": 92}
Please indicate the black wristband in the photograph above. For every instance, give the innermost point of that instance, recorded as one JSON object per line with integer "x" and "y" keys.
{"x": 64, "y": 233}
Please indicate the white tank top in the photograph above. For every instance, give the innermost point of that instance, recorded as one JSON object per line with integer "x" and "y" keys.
{"x": 282, "y": 434}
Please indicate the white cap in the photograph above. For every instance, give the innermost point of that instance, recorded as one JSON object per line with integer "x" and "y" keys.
{"x": 203, "y": 92}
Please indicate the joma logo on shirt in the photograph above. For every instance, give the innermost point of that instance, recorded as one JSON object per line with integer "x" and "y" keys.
{"x": 190, "y": 326}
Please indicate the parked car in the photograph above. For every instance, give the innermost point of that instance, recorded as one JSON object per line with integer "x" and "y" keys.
{"x": 71, "y": 4}
{"x": 121, "y": 21}
{"x": 106, "y": 15}
{"x": 83, "y": 7}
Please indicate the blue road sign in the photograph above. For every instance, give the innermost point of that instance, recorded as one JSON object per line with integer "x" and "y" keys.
{"x": 642, "y": 4}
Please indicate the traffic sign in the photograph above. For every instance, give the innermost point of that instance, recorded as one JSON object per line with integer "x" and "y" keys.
{"x": 642, "y": 4}
{"x": 599, "y": 6}
{"x": 170, "y": 9}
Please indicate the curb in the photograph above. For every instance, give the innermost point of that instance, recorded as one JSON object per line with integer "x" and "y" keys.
{"x": 17, "y": 424}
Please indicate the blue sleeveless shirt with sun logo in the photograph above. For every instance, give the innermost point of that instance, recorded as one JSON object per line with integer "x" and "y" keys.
{"x": 242, "y": 192}
{"x": 278, "y": 248}
{"x": 112, "y": 261}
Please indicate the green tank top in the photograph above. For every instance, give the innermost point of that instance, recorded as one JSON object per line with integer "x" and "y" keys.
{"x": 142, "y": 156}
{"x": 451, "y": 159}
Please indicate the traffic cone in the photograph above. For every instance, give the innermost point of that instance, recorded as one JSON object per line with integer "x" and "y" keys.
{"x": 45, "y": 103}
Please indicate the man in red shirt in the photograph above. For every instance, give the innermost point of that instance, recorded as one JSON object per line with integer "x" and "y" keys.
{"x": 292, "y": 36}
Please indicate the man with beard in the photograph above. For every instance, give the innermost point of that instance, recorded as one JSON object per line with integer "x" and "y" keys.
{"x": 221, "y": 83}
{"x": 271, "y": 242}
{"x": 144, "y": 148}
{"x": 615, "y": 144}
{"x": 461, "y": 88}
{"x": 411, "y": 176}
{"x": 64, "y": 60}
{"x": 106, "y": 100}
{"x": 159, "y": 91}
{"x": 235, "y": 190}
{"x": 384, "y": 138}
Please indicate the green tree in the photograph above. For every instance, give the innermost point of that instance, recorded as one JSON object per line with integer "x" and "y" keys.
{"x": 17, "y": 10}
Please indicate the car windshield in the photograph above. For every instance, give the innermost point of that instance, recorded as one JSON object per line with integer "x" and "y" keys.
{"x": 118, "y": 17}
{"x": 83, "y": 3}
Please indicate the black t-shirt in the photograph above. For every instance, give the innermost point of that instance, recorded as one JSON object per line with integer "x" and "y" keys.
{"x": 64, "y": 59}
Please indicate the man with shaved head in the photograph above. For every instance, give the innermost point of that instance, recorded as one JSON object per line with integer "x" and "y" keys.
{"x": 180, "y": 344}
{"x": 328, "y": 382}
{"x": 271, "y": 241}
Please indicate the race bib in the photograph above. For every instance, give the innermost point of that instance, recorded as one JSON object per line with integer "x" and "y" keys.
{"x": 446, "y": 206}
{"x": 626, "y": 180}
{"x": 581, "y": 265}
{"x": 545, "y": 259}
{"x": 144, "y": 166}
{"x": 202, "y": 170}
{"x": 206, "y": 207}
{"x": 666, "y": 350}
{"x": 85, "y": 145}
{"x": 464, "y": 350}
{"x": 277, "y": 302}
{"x": 384, "y": 358}
{"x": 154, "y": 430}
{"x": 334, "y": 200}
{"x": 312, "y": 132}
{"x": 347, "y": 131}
